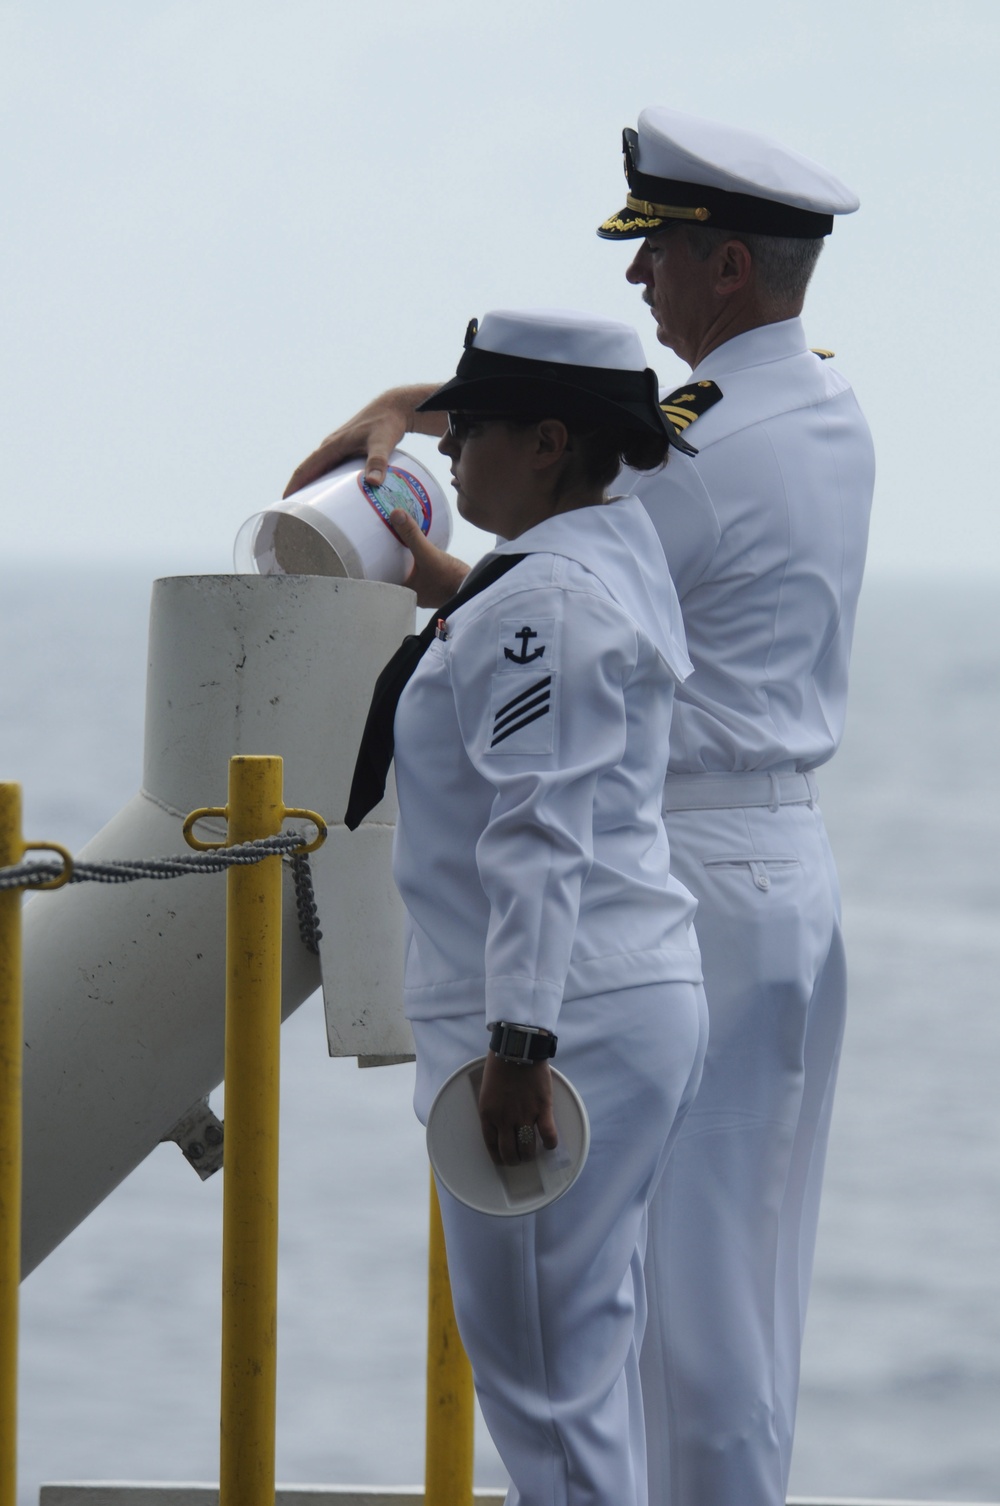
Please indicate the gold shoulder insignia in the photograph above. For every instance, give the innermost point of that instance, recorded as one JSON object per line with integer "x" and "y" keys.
{"x": 688, "y": 403}
{"x": 824, "y": 355}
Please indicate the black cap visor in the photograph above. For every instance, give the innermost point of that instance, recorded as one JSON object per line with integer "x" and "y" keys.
{"x": 714, "y": 208}
{"x": 490, "y": 382}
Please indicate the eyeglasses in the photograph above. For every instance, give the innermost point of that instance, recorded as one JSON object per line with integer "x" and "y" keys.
{"x": 460, "y": 425}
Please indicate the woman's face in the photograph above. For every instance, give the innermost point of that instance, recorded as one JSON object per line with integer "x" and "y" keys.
{"x": 493, "y": 472}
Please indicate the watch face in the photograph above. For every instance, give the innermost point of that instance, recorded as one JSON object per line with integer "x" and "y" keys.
{"x": 518, "y": 1043}
{"x": 521, "y": 1043}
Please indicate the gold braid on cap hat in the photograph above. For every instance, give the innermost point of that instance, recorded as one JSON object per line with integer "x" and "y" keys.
{"x": 667, "y": 211}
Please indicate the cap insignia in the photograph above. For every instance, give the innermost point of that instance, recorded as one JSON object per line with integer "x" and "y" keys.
{"x": 688, "y": 403}
{"x": 471, "y": 331}
{"x": 635, "y": 223}
{"x": 630, "y": 145}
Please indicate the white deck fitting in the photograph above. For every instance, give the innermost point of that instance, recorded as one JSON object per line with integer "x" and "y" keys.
{"x": 124, "y": 984}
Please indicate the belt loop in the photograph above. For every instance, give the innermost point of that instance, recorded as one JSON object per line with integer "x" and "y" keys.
{"x": 775, "y": 799}
{"x": 813, "y": 789}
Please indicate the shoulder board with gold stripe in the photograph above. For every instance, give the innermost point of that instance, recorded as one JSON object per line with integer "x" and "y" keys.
{"x": 824, "y": 355}
{"x": 688, "y": 403}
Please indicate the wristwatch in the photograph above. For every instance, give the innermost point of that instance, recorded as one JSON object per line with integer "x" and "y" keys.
{"x": 524, "y": 1044}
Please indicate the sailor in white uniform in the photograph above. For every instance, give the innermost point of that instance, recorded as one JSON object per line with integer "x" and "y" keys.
{"x": 530, "y": 748}
{"x": 765, "y": 532}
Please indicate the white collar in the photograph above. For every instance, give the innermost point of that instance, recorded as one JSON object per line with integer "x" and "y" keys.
{"x": 754, "y": 347}
{"x": 619, "y": 545}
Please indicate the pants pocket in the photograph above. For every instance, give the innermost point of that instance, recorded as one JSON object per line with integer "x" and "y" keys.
{"x": 761, "y": 869}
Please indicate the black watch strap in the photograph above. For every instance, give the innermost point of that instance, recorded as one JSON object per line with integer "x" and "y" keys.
{"x": 524, "y": 1044}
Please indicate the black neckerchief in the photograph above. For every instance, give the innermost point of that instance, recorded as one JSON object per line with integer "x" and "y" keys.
{"x": 377, "y": 743}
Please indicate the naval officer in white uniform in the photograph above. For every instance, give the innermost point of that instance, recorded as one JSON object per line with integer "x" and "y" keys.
{"x": 765, "y": 533}
{"x": 530, "y": 736}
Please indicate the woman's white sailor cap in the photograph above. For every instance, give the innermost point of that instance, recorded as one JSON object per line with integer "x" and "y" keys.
{"x": 555, "y": 363}
{"x": 680, "y": 167}
{"x": 564, "y": 336}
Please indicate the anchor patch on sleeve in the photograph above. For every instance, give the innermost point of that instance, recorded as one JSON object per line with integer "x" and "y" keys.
{"x": 522, "y": 722}
{"x": 686, "y": 404}
{"x": 524, "y": 643}
{"x": 523, "y": 657}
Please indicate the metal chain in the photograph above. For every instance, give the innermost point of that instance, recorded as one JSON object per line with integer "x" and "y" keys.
{"x": 125, "y": 870}
{"x": 305, "y": 902}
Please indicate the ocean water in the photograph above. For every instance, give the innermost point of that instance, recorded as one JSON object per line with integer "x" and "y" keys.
{"x": 901, "y": 1376}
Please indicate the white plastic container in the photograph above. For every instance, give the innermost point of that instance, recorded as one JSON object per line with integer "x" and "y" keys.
{"x": 339, "y": 525}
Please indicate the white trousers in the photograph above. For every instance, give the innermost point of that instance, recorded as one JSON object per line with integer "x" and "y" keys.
{"x": 551, "y": 1305}
{"x": 733, "y": 1223}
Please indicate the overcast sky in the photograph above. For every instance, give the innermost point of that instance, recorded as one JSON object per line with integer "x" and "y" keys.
{"x": 229, "y": 222}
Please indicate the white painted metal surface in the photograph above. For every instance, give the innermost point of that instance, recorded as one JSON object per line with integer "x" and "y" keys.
{"x": 124, "y": 984}
{"x": 121, "y": 1493}
{"x": 125, "y": 1494}
{"x": 361, "y": 953}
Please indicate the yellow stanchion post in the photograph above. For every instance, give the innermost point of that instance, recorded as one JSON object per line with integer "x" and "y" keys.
{"x": 450, "y": 1396}
{"x": 12, "y": 850}
{"x": 250, "y": 1180}
{"x": 11, "y": 1048}
{"x": 250, "y": 1192}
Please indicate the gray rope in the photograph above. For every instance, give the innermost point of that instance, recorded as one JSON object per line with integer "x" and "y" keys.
{"x": 125, "y": 870}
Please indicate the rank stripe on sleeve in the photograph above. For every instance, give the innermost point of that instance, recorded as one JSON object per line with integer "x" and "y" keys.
{"x": 539, "y": 700}
{"x": 522, "y": 709}
{"x": 524, "y": 722}
{"x": 531, "y": 690}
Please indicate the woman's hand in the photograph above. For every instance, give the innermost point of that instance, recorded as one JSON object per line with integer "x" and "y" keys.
{"x": 512, "y": 1098}
{"x": 435, "y": 576}
{"x": 373, "y": 432}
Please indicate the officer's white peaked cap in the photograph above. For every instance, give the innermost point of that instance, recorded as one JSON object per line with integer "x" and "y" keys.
{"x": 556, "y": 363}
{"x": 681, "y": 167}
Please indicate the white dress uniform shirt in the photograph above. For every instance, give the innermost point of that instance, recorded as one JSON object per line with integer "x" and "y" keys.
{"x": 765, "y": 533}
{"x": 530, "y": 850}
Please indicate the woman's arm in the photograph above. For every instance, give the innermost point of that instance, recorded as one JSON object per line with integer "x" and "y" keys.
{"x": 435, "y": 576}
{"x": 539, "y": 687}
